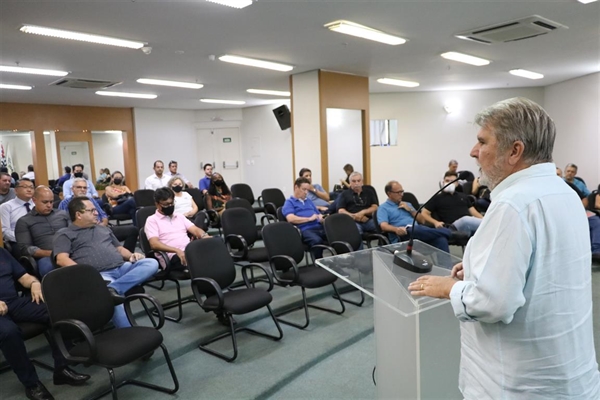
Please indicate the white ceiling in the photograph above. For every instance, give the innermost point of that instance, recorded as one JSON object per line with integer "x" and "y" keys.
{"x": 183, "y": 34}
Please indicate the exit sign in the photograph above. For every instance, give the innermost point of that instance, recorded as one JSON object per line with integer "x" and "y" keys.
{"x": 226, "y": 140}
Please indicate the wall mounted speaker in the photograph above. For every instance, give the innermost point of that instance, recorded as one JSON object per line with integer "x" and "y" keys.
{"x": 283, "y": 117}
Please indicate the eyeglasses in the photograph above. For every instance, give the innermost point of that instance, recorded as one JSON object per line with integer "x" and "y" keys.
{"x": 398, "y": 192}
{"x": 80, "y": 187}
{"x": 90, "y": 210}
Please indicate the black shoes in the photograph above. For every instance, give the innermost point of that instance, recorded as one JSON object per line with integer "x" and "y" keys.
{"x": 38, "y": 392}
{"x": 458, "y": 238}
{"x": 66, "y": 376}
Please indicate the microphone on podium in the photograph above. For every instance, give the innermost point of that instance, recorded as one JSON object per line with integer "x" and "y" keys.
{"x": 415, "y": 261}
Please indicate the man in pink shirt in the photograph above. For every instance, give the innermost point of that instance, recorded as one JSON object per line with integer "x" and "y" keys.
{"x": 168, "y": 232}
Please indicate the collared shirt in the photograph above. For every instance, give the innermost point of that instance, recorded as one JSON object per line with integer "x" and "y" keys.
{"x": 355, "y": 202}
{"x": 68, "y": 189}
{"x": 10, "y": 271}
{"x": 171, "y": 231}
{"x": 301, "y": 208}
{"x": 183, "y": 203}
{"x": 526, "y": 299}
{"x": 35, "y": 231}
{"x": 180, "y": 176}
{"x": 29, "y": 175}
{"x": 204, "y": 183}
{"x": 10, "y": 212}
{"x": 8, "y": 196}
{"x": 319, "y": 202}
{"x": 153, "y": 182}
{"x": 61, "y": 181}
{"x": 581, "y": 186}
{"x": 64, "y": 205}
{"x": 390, "y": 212}
{"x": 95, "y": 246}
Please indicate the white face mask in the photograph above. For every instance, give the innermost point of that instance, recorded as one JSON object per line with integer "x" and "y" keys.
{"x": 449, "y": 189}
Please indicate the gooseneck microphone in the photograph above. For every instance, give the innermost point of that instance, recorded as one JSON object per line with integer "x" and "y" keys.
{"x": 416, "y": 262}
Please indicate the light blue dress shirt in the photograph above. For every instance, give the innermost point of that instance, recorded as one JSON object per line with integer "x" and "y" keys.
{"x": 525, "y": 304}
{"x": 319, "y": 202}
{"x": 68, "y": 189}
{"x": 10, "y": 212}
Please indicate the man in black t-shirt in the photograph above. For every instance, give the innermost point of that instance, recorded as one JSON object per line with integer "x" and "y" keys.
{"x": 360, "y": 202}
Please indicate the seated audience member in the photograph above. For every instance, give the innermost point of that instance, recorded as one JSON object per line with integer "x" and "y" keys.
{"x": 570, "y": 177}
{"x": 453, "y": 166}
{"x": 28, "y": 308}
{"x": 104, "y": 177}
{"x": 453, "y": 209}
{"x": 184, "y": 203}
{"x": 61, "y": 181}
{"x": 12, "y": 210}
{"x": 168, "y": 232}
{"x": 30, "y": 174}
{"x": 158, "y": 179}
{"x": 172, "y": 173}
{"x": 6, "y": 192}
{"x": 126, "y": 233}
{"x": 482, "y": 196}
{"x": 359, "y": 202}
{"x": 87, "y": 242}
{"x": 218, "y": 193}
{"x": 395, "y": 217}
{"x": 35, "y": 230}
{"x": 316, "y": 193}
{"x": 92, "y": 193}
{"x": 204, "y": 183}
{"x": 120, "y": 197}
{"x": 593, "y": 219}
{"x": 559, "y": 172}
{"x": 348, "y": 169}
{"x": 301, "y": 211}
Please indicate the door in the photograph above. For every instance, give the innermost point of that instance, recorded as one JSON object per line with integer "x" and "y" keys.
{"x": 221, "y": 148}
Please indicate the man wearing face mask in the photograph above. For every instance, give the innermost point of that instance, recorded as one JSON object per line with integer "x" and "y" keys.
{"x": 168, "y": 232}
{"x": 452, "y": 209}
{"x": 78, "y": 173}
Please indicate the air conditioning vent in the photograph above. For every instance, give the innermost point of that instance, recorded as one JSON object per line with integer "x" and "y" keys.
{"x": 511, "y": 31}
{"x": 76, "y": 83}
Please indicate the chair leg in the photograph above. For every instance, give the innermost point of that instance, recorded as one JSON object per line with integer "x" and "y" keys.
{"x": 177, "y": 303}
{"x": 305, "y": 306}
{"x": 351, "y": 288}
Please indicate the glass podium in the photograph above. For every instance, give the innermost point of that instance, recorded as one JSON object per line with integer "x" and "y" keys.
{"x": 417, "y": 338}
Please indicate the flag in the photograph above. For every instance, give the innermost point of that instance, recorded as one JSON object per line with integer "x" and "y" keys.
{"x": 2, "y": 156}
{"x": 9, "y": 162}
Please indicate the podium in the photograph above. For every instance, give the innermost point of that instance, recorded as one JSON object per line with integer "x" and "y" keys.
{"x": 417, "y": 338}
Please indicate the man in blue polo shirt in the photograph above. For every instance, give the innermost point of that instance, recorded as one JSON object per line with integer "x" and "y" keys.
{"x": 301, "y": 211}
{"x": 204, "y": 183}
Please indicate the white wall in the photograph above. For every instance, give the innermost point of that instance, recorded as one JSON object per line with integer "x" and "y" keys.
{"x": 18, "y": 146}
{"x": 108, "y": 152}
{"x": 428, "y": 137}
{"x": 575, "y": 107}
{"x": 307, "y": 123}
{"x": 344, "y": 143}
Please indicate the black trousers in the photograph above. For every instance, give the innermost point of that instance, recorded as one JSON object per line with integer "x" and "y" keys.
{"x": 22, "y": 309}
{"x": 128, "y": 234}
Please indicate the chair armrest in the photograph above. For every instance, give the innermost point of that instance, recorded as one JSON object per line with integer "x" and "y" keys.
{"x": 157, "y": 306}
{"x": 293, "y": 265}
{"x": 214, "y": 218}
{"x": 341, "y": 247}
{"x": 381, "y": 239}
{"x": 270, "y": 209}
{"x": 196, "y": 282}
{"x": 253, "y": 265}
{"x": 325, "y": 247}
{"x": 85, "y": 332}
{"x": 260, "y": 201}
{"x": 237, "y": 242}
{"x": 270, "y": 219}
{"x": 30, "y": 265}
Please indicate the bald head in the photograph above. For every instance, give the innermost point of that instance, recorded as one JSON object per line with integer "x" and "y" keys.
{"x": 43, "y": 198}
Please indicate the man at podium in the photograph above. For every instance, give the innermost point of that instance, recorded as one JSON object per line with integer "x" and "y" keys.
{"x": 523, "y": 291}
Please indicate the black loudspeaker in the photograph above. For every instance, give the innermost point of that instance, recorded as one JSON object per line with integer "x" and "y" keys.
{"x": 283, "y": 117}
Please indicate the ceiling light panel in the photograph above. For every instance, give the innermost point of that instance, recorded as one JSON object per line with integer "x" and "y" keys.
{"x": 82, "y": 37}
{"x": 124, "y": 94}
{"x": 218, "y": 101}
{"x": 255, "y": 63}
{"x": 15, "y": 87}
{"x": 32, "y": 71}
{"x": 465, "y": 58}
{"x": 269, "y": 92}
{"x": 232, "y": 3}
{"x": 526, "y": 74}
{"x": 160, "y": 82}
{"x": 586, "y": 1}
{"x": 361, "y": 31}
{"x": 397, "y": 82}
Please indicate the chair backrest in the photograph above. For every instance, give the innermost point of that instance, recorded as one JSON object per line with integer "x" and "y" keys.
{"x": 197, "y": 196}
{"x": 242, "y": 191}
{"x": 144, "y": 197}
{"x": 377, "y": 227}
{"x": 201, "y": 220}
{"x": 240, "y": 221}
{"x": 467, "y": 187}
{"x": 237, "y": 202}
{"x": 280, "y": 215}
{"x": 580, "y": 179}
{"x": 283, "y": 238}
{"x": 466, "y": 176}
{"x": 342, "y": 228}
{"x": 209, "y": 258}
{"x": 142, "y": 214}
{"x": 78, "y": 292}
{"x": 274, "y": 197}
{"x": 144, "y": 242}
{"x": 412, "y": 199}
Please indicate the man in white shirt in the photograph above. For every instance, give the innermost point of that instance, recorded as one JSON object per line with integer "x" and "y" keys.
{"x": 523, "y": 291}
{"x": 29, "y": 174}
{"x": 173, "y": 172}
{"x": 158, "y": 179}
{"x": 12, "y": 210}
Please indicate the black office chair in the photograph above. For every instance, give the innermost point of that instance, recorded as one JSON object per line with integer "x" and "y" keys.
{"x": 197, "y": 196}
{"x": 143, "y": 197}
{"x": 272, "y": 199}
{"x": 237, "y": 202}
{"x": 118, "y": 218}
{"x": 239, "y": 229}
{"x": 142, "y": 214}
{"x": 244, "y": 191}
{"x": 80, "y": 305}
{"x": 213, "y": 273}
{"x": 284, "y": 245}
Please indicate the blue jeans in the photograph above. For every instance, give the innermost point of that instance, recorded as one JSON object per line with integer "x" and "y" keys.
{"x": 44, "y": 265}
{"x": 315, "y": 236}
{"x": 594, "y": 222}
{"x": 368, "y": 226}
{"x": 467, "y": 224}
{"x": 124, "y": 278}
{"x": 126, "y": 207}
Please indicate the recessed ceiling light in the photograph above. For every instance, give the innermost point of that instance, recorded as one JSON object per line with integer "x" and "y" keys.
{"x": 269, "y": 92}
{"x": 233, "y": 3}
{"x": 526, "y": 74}
{"x": 217, "y": 101}
{"x": 33, "y": 71}
{"x": 15, "y": 87}
{"x": 586, "y": 1}
{"x": 465, "y": 58}
{"x": 124, "y": 94}
{"x": 113, "y": 131}
{"x": 255, "y": 63}
{"x": 397, "y": 82}
{"x": 161, "y": 82}
{"x": 361, "y": 31}
{"x": 82, "y": 37}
